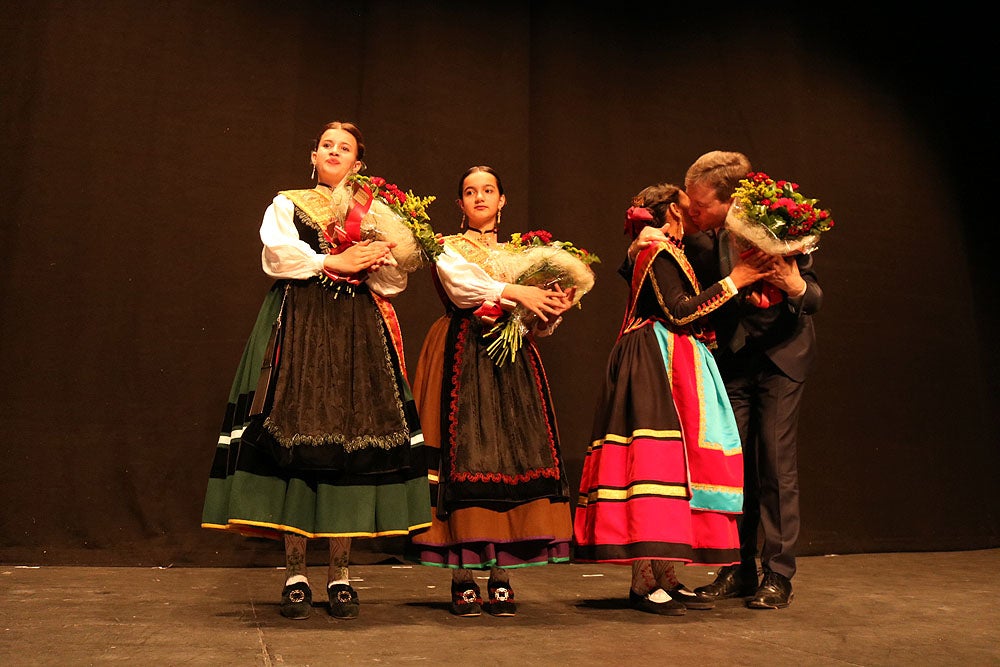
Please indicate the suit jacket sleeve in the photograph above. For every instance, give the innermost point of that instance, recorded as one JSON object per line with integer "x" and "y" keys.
{"x": 812, "y": 300}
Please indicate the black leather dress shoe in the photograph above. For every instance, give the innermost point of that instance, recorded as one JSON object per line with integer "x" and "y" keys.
{"x": 775, "y": 592}
{"x": 732, "y": 581}
{"x": 690, "y": 599}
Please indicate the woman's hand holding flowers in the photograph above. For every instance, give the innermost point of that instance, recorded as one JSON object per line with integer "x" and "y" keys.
{"x": 544, "y": 303}
{"x": 752, "y": 265}
{"x": 647, "y": 237}
{"x": 366, "y": 255}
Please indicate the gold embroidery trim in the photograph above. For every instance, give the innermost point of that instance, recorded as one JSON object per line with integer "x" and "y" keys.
{"x": 467, "y": 248}
{"x": 712, "y": 304}
{"x": 318, "y": 206}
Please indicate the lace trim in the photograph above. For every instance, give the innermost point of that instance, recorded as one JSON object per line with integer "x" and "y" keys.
{"x": 390, "y": 441}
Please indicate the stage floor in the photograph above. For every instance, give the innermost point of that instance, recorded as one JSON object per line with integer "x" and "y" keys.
{"x": 876, "y": 609}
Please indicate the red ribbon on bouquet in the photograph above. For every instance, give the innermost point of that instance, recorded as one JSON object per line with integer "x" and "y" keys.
{"x": 489, "y": 312}
{"x": 346, "y": 236}
{"x": 361, "y": 203}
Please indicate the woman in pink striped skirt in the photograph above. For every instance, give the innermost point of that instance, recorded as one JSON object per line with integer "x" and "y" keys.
{"x": 663, "y": 476}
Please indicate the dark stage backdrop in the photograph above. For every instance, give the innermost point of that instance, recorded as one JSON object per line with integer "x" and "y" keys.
{"x": 142, "y": 141}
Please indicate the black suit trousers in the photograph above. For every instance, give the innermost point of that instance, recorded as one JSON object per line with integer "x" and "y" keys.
{"x": 766, "y": 404}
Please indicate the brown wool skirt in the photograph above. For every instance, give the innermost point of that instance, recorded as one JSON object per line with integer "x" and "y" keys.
{"x": 470, "y": 534}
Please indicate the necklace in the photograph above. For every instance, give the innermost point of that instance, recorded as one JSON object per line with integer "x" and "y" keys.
{"x": 487, "y": 238}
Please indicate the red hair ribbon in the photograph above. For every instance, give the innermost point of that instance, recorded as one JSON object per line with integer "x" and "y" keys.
{"x": 637, "y": 217}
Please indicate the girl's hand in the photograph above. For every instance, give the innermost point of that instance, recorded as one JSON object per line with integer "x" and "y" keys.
{"x": 362, "y": 256}
{"x": 544, "y": 303}
{"x": 647, "y": 237}
{"x": 567, "y": 298}
{"x": 753, "y": 265}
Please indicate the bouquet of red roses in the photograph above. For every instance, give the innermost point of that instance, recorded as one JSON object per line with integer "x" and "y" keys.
{"x": 775, "y": 217}
{"x": 389, "y": 214}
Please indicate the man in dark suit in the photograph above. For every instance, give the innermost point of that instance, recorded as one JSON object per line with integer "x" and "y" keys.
{"x": 766, "y": 345}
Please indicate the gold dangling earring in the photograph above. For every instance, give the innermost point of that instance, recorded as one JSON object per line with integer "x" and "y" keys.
{"x": 497, "y": 225}
{"x": 314, "y": 171}
{"x": 462, "y": 225}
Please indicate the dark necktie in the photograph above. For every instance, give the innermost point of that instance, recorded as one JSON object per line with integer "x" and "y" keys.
{"x": 739, "y": 338}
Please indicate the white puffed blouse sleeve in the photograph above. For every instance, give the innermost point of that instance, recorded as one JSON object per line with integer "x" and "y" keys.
{"x": 285, "y": 255}
{"x": 466, "y": 283}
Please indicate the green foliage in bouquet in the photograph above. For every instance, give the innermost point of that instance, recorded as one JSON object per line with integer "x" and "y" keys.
{"x": 780, "y": 208}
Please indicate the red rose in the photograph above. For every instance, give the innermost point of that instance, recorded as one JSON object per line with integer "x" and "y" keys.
{"x": 543, "y": 237}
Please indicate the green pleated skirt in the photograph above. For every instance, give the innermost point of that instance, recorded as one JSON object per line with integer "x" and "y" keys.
{"x": 341, "y": 400}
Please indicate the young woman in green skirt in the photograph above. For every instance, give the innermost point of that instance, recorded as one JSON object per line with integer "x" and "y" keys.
{"x": 320, "y": 437}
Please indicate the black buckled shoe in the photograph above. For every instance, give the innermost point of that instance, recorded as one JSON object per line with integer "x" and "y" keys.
{"x": 501, "y": 599}
{"x": 671, "y": 607}
{"x": 466, "y": 599}
{"x": 344, "y": 602}
{"x": 690, "y": 599}
{"x": 732, "y": 581}
{"x": 296, "y": 601}
{"x": 775, "y": 592}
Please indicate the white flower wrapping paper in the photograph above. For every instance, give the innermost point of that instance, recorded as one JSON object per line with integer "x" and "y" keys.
{"x": 757, "y": 235}
{"x": 540, "y": 265}
{"x": 384, "y": 224}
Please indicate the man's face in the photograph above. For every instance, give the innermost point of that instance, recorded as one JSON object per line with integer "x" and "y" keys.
{"x": 706, "y": 211}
